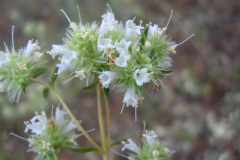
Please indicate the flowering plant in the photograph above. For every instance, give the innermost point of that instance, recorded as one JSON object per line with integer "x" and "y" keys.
{"x": 116, "y": 57}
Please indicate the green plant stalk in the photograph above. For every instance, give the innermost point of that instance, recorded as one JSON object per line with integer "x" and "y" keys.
{"x": 56, "y": 156}
{"x": 101, "y": 121}
{"x": 108, "y": 123}
{"x": 70, "y": 113}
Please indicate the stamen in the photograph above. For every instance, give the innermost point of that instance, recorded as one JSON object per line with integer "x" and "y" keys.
{"x": 135, "y": 113}
{"x": 79, "y": 14}
{"x": 122, "y": 108}
{"x": 12, "y": 39}
{"x": 119, "y": 154}
{"x": 169, "y": 18}
{"x": 86, "y": 132}
{"x": 66, "y": 15}
{"x": 18, "y": 136}
{"x": 186, "y": 39}
{"x": 69, "y": 79}
{"x": 109, "y": 8}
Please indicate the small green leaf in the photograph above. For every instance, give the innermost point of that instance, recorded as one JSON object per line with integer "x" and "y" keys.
{"x": 81, "y": 150}
{"x": 152, "y": 53}
{"x": 25, "y": 82}
{"x": 167, "y": 71}
{"x": 106, "y": 92}
{"x": 45, "y": 92}
{"x": 144, "y": 36}
{"x": 50, "y": 158}
{"x": 37, "y": 72}
{"x": 141, "y": 88}
{"x": 24, "y": 90}
{"x": 117, "y": 142}
{"x": 54, "y": 75}
{"x": 90, "y": 86}
{"x": 104, "y": 68}
{"x": 42, "y": 157}
{"x": 30, "y": 65}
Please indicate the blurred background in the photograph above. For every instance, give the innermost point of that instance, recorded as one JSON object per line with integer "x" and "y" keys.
{"x": 196, "y": 113}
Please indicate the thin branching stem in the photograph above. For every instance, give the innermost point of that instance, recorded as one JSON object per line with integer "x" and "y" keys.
{"x": 108, "y": 123}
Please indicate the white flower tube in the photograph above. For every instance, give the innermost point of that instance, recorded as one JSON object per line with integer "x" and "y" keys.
{"x": 107, "y": 77}
{"x": 132, "y": 29}
{"x": 130, "y": 145}
{"x": 121, "y": 61}
{"x": 4, "y": 58}
{"x": 141, "y": 76}
{"x": 31, "y": 48}
{"x": 150, "y": 137}
{"x": 122, "y": 46}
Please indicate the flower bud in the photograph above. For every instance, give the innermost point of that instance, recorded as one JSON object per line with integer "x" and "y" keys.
{"x": 20, "y": 80}
{"x": 155, "y": 153}
{"x": 148, "y": 45}
{"x": 79, "y": 46}
{"x": 78, "y": 35}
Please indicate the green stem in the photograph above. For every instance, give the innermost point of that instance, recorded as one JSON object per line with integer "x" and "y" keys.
{"x": 69, "y": 112}
{"x": 101, "y": 120}
{"x": 108, "y": 123}
{"x": 56, "y": 156}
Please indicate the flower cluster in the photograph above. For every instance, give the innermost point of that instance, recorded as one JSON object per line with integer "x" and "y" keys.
{"x": 50, "y": 135}
{"x": 151, "y": 148}
{"x": 16, "y": 68}
{"x": 123, "y": 58}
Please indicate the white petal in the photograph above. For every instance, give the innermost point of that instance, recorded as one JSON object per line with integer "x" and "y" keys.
{"x": 31, "y": 48}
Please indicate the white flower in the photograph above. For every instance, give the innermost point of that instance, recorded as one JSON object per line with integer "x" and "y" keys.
{"x": 153, "y": 29}
{"x": 59, "y": 50}
{"x": 130, "y": 98}
{"x": 122, "y": 46}
{"x": 31, "y": 48}
{"x": 121, "y": 61}
{"x": 107, "y": 77}
{"x": 132, "y": 29}
{"x": 141, "y": 76}
{"x": 150, "y": 137}
{"x": 60, "y": 115}
{"x": 130, "y": 146}
{"x": 4, "y": 58}
{"x": 38, "y": 123}
{"x": 70, "y": 127}
{"x": 68, "y": 57}
{"x": 62, "y": 68}
{"x": 46, "y": 145}
{"x": 22, "y": 66}
{"x": 172, "y": 48}
{"x": 108, "y": 23}
{"x": 83, "y": 33}
{"x": 165, "y": 63}
{"x": 80, "y": 74}
{"x": 148, "y": 45}
{"x": 104, "y": 44}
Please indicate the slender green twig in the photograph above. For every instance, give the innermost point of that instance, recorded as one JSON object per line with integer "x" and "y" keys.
{"x": 56, "y": 156}
{"x": 101, "y": 121}
{"x": 69, "y": 112}
{"x": 108, "y": 123}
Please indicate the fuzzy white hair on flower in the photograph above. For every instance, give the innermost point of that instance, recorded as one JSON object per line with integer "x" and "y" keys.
{"x": 4, "y": 58}
{"x": 38, "y": 123}
{"x": 150, "y": 137}
{"x": 31, "y": 48}
{"x": 104, "y": 44}
{"x": 132, "y": 29}
{"x": 130, "y": 146}
{"x": 122, "y": 46}
{"x": 2, "y": 87}
{"x": 107, "y": 77}
{"x": 121, "y": 61}
{"x": 165, "y": 63}
{"x": 141, "y": 76}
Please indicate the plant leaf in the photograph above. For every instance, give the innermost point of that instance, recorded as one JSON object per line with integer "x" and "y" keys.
{"x": 152, "y": 53}
{"x": 37, "y": 72}
{"x": 144, "y": 36}
{"x": 54, "y": 75}
{"x": 106, "y": 92}
{"x": 45, "y": 92}
{"x": 42, "y": 157}
{"x": 90, "y": 86}
{"x": 50, "y": 158}
{"x": 81, "y": 150}
{"x": 117, "y": 142}
{"x": 167, "y": 71}
{"x": 30, "y": 65}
